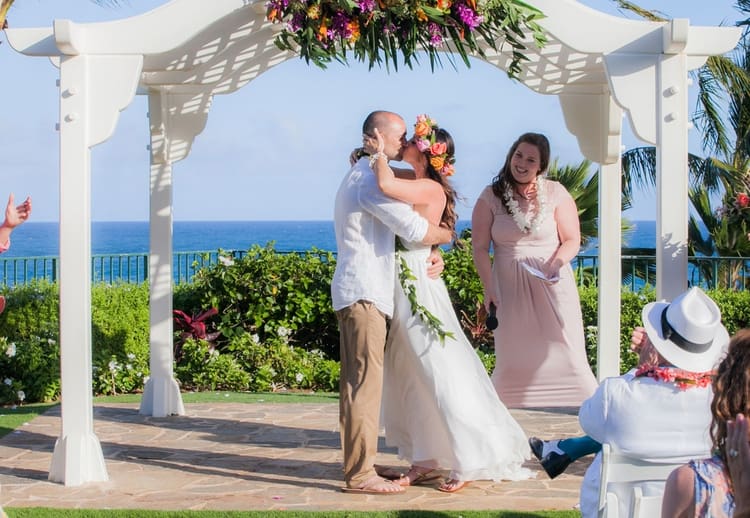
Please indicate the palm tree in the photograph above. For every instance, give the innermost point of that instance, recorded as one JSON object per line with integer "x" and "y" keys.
{"x": 722, "y": 173}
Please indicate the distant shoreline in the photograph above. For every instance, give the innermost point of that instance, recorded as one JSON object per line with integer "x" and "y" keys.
{"x": 41, "y": 239}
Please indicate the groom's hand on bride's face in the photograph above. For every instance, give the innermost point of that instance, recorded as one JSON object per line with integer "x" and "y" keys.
{"x": 435, "y": 264}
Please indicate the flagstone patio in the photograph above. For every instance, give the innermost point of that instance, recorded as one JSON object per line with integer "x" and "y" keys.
{"x": 249, "y": 457}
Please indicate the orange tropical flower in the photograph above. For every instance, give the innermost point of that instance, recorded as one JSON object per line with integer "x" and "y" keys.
{"x": 323, "y": 31}
{"x": 354, "y": 28}
{"x": 421, "y": 16}
{"x": 422, "y": 128}
{"x": 445, "y": 5}
{"x": 437, "y": 162}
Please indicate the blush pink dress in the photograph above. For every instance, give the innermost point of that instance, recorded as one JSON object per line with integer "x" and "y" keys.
{"x": 539, "y": 343}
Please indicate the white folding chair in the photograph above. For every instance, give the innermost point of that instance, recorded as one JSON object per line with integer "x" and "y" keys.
{"x": 618, "y": 468}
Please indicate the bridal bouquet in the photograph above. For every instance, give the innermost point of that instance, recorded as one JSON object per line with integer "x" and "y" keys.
{"x": 377, "y": 30}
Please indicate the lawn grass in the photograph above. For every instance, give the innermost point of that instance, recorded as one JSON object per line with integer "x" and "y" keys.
{"x": 38, "y": 512}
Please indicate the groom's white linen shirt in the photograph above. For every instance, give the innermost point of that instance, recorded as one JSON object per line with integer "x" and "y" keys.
{"x": 366, "y": 223}
{"x": 647, "y": 419}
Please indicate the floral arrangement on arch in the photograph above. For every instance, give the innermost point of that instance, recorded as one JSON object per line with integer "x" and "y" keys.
{"x": 377, "y": 30}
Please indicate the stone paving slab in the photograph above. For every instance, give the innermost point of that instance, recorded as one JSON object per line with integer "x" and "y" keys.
{"x": 234, "y": 456}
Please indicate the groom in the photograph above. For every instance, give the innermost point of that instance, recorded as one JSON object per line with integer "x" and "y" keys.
{"x": 366, "y": 223}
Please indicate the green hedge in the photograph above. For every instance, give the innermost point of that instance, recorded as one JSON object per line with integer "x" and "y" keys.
{"x": 274, "y": 329}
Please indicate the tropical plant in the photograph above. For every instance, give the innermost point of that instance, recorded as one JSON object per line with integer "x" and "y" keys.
{"x": 377, "y": 31}
{"x": 193, "y": 328}
{"x": 722, "y": 174}
{"x": 583, "y": 186}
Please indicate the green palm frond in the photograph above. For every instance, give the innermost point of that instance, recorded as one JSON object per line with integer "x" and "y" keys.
{"x": 651, "y": 15}
{"x": 718, "y": 76}
{"x": 583, "y": 186}
{"x": 744, "y": 7}
{"x": 638, "y": 170}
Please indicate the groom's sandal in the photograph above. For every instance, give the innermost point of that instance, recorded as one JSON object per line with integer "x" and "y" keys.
{"x": 376, "y": 486}
{"x": 390, "y": 473}
{"x": 452, "y": 485}
{"x": 417, "y": 477}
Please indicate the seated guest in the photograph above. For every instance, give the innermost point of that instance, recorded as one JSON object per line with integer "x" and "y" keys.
{"x": 556, "y": 455}
{"x": 719, "y": 486}
{"x": 662, "y": 413}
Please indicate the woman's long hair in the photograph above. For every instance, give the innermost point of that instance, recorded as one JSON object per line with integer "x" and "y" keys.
{"x": 731, "y": 389}
{"x": 504, "y": 178}
{"x": 449, "y": 217}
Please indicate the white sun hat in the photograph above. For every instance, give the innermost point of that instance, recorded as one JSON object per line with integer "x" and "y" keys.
{"x": 687, "y": 332}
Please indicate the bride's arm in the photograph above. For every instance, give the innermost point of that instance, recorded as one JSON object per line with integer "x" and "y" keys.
{"x": 419, "y": 191}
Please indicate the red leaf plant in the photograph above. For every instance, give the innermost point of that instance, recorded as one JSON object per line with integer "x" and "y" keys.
{"x": 193, "y": 327}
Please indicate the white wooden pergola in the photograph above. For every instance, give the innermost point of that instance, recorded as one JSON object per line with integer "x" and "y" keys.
{"x": 183, "y": 53}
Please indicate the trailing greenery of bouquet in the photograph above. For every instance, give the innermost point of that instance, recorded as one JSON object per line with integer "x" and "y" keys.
{"x": 377, "y": 30}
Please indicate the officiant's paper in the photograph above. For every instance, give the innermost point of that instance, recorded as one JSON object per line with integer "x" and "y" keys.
{"x": 539, "y": 274}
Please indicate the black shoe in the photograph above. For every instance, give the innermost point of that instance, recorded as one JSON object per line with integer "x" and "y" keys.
{"x": 555, "y": 463}
{"x": 537, "y": 446}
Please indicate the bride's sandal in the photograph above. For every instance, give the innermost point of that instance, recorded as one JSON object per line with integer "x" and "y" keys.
{"x": 452, "y": 485}
{"x": 416, "y": 477}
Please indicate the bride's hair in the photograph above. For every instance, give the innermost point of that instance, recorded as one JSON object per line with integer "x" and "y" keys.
{"x": 504, "y": 179}
{"x": 449, "y": 216}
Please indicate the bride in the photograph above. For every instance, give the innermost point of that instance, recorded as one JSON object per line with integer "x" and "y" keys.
{"x": 440, "y": 408}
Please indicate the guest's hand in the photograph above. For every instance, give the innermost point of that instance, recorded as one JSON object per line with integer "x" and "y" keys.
{"x": 637, "y": 338}
{"x": 435, "y": 264}
{"x": 15, "y": 215}
{"x": 640, "y": 343}
{"x": 738, "y": 461}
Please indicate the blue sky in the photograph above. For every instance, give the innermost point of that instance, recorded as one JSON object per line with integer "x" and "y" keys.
{"x": 277, "y": 148}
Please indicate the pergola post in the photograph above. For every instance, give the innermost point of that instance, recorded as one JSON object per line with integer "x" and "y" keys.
{"x": 672, "y": 163}
{"x": 610, "y": 241}
{"x": 93, "y": 91}
{"x": 161, "y": 394}
{"x": 77, "y": 457}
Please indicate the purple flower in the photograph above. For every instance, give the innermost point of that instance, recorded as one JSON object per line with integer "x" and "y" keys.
{"x": 340, "y": 26}
{"x": 436, "y": 36}
{"x": 468, "y": 16}
{"x": 297, "y": 21}
{"x": 279, "y": 5}
{"x": 366, "y": 6}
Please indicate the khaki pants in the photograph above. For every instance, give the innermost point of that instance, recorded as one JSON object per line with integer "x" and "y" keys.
{"x": 362, "y": 331}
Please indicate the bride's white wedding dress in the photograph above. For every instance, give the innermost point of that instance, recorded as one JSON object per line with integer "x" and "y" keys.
{"x": 440, "y": 408}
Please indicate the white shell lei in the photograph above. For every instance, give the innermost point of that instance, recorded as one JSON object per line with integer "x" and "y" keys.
{"x": 526, "y": 224}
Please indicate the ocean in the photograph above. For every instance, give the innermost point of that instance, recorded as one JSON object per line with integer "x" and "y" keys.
{"x": 35, "y": 239}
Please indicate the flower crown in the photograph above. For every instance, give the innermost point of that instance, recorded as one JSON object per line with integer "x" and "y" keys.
{"x": 425, "y": 133}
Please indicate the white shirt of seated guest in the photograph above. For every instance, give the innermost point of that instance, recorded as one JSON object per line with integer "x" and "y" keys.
{"x": 643, "y": 418}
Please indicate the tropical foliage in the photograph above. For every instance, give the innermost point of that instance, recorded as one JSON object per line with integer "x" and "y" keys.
{"x": 719, "y": 181}
{"x": 376, "y": 31}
